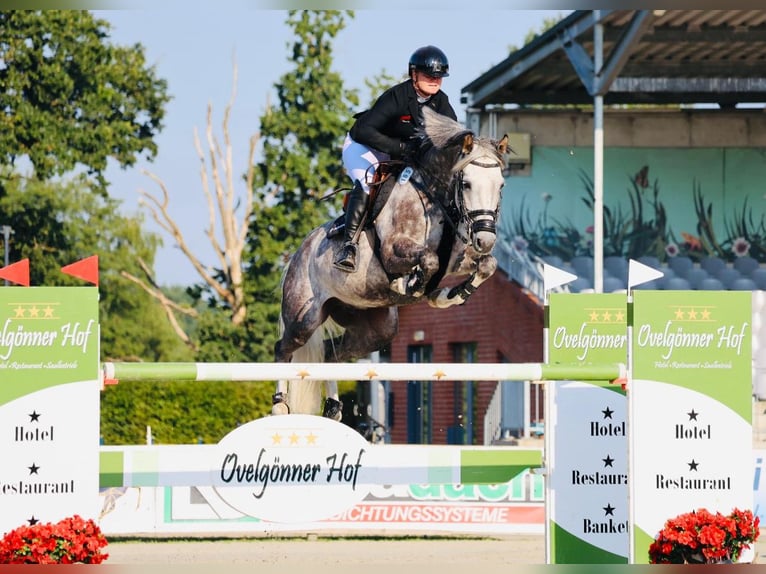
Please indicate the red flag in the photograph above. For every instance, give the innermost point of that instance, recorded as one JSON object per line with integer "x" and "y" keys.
{"x": 16, "y": 272}
{"x": 86, "y": 269}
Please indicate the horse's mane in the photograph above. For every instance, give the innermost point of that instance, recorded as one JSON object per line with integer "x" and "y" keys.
{"x": 442, "y": 132}
{"x": 439, "y": 129}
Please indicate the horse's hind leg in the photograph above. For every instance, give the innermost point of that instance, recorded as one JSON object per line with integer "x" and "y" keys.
{"x": 370, "y": 330}
{"x": 300, "y": 317}
{"x": 333, "y": 408}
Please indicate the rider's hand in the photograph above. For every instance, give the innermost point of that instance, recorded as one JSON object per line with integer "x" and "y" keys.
{"x": 409, "y": 149}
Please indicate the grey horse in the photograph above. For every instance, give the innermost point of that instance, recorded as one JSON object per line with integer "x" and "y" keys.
{"x": 438, "y": 223}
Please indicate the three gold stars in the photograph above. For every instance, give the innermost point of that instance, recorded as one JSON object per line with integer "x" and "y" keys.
{"x": 607, "y": 315}
{"x": 293, "y": 439}
{"x": 689, "y": 313}
{"x": 34, "y": 311}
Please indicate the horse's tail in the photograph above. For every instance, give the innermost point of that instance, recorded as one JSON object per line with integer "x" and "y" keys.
{"x": 305, "y": 397}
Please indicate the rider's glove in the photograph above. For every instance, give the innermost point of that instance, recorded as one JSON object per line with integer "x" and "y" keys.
{"x": 409, "y": 149}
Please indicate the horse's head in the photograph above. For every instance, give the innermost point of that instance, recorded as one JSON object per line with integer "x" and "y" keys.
{"x": 475, "y": 172}
{"x": 478, "y": 180}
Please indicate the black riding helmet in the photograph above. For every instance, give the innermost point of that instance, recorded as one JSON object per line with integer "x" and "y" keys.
{"x": 429, "y": 60}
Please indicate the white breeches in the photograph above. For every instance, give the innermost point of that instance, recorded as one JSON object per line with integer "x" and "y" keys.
{"x": 360, "y": 161}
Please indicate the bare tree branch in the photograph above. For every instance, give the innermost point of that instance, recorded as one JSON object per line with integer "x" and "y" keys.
{"x": 169, "y": 306}
{"x": 222, "y": 198}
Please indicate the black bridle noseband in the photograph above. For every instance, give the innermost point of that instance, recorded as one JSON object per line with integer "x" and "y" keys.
{"x": 477, "y": 220}
{"x": 454, "y": 210}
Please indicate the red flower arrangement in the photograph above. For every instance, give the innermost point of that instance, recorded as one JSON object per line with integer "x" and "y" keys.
{"x": 701, "y": 537}
{"x": 72, "y": 540}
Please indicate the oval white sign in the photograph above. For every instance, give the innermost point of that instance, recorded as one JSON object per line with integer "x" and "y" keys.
{"x": 292, "y": 468}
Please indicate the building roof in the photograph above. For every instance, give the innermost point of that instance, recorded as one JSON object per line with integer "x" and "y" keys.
{"x": 649, "y": 57}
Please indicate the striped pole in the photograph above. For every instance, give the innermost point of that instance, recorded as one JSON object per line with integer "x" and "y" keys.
{"x": 114, "y": 372}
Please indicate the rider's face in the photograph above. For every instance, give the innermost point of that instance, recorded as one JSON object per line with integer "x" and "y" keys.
{"x": 426, "y": 85}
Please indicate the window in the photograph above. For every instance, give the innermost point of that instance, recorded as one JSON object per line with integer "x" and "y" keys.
{"x": 464, "y": 394}
{"x": 419, "y": 399}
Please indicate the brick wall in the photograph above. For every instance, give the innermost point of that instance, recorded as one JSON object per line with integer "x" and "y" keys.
{"x": 506, "y": 324}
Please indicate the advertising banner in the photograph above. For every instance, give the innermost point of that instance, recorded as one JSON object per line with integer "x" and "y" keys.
{"x": 690, "y": 402}
{"x": 511, "y": 507}
{"x": 49, "y": 404}
{"x": 587, "y": 459}
{"x": 302, "y": 469}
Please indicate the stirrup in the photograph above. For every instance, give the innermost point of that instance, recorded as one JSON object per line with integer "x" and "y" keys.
{"x": 346, "y": 260}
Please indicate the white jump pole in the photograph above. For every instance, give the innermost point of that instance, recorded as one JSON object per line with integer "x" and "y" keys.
{"x": 114, "y": 372}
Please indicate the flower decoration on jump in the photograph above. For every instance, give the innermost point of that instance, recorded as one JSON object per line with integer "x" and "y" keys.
{"x": 72, "y": 540}
{"x": 703, "y": 537}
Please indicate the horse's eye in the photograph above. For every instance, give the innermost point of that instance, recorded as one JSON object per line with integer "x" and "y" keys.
{"x": 466, "y": 185}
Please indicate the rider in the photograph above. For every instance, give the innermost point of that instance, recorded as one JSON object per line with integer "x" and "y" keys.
{"x": 387, "y": 131}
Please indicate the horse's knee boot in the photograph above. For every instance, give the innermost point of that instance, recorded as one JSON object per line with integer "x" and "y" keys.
{"x": 332, "y": 409}
{"x": 279, "y": 405}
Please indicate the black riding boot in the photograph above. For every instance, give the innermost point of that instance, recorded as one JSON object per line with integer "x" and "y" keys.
{"x": 357, "y": 205}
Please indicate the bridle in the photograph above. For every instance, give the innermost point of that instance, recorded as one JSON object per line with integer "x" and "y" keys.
{"x": 476, "y": 220}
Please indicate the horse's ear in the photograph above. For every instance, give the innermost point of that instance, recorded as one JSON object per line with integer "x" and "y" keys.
{"x": 467, "y": 143}
{"x": 502, "y": 145}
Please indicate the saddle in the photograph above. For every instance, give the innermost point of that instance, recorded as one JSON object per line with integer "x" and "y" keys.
{"x": 380, "y": 190}
{"x": 383, "y": 181}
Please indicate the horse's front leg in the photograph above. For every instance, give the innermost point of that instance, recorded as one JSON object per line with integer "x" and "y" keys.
{"x": 413, "y": 264}
{"x": 449, "y": 296}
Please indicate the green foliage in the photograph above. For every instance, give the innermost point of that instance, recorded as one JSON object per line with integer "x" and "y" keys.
{"x": 302, "y": 136}
{"x": 70, "y": 99}
{"x": 548, "y": 23}
{"x": 303, "y": 132}
{"x": 55, "y": 224}
{"x": 222, "y": 341}
{"x": 186, "y": 412}
{"x": 180, "y": 412}
{"x": 379, "y": 84}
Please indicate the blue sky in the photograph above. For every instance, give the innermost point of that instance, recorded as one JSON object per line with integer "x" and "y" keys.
{"x": 194, "y": 50}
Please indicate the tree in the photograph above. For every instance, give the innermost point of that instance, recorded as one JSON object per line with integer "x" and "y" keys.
{"x": 230, "y": 208}
{"x": 380, "y": 83}
{"x": 302, "y": 136}
{"x": 55, "y": 224}
{"x": 69, "y": 99}
{"x": 276, "y": 203}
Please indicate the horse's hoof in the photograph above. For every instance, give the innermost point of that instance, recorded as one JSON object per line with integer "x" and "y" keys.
{"x": 333, "y": 409}
{"x": 398, "y": 286}
{"x": 411, "y": 285}
{"x": 416, "y": 283}
{"x": 280, "y": 409}
{"x": 278, "y": 405}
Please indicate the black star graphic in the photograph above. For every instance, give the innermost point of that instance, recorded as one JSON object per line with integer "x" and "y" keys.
{"x": 692, "y": 415}
{"x": 607, "y": 413}
{"x": 608, "y": 510}
{"x": 608, "y": 461}
{"x": 33, "y": 416}
{"x": 32, "y": 521}
{"x": 33, "y": 469}
{"x": 693, "y": 465}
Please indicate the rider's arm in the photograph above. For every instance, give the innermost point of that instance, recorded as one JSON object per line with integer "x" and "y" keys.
{"x": 374, "y": 125}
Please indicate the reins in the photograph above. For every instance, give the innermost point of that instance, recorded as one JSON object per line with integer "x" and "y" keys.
{"x": 456, "y": 214}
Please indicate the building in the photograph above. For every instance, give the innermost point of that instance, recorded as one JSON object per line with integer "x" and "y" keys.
{"x": 597, "y": 176}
